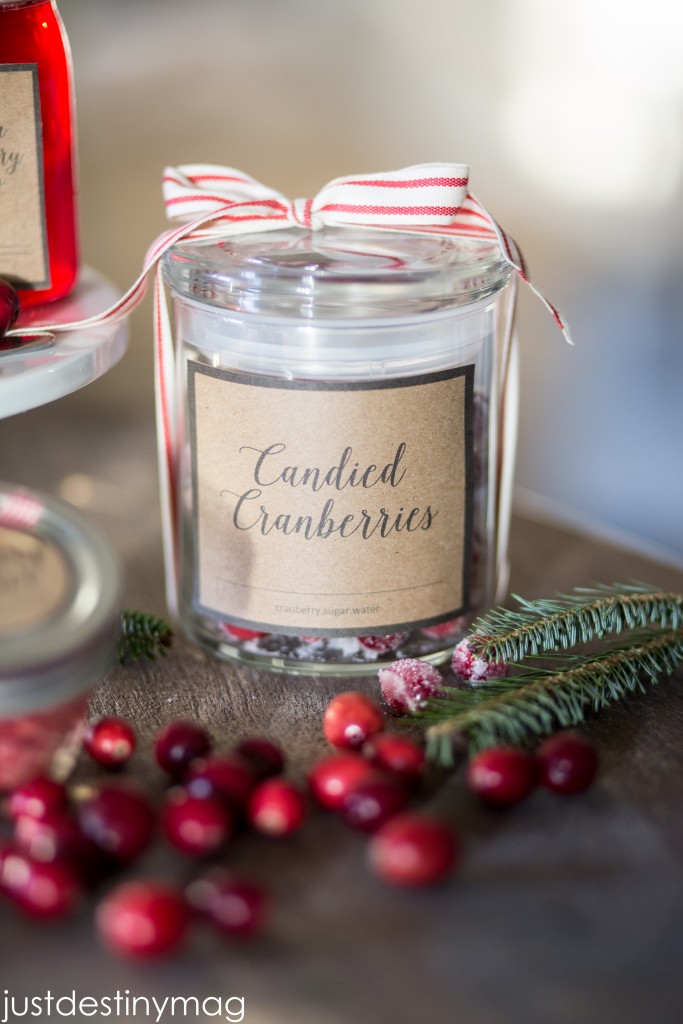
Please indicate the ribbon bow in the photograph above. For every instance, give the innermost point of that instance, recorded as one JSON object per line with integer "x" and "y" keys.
{"x": 418, "y": 198}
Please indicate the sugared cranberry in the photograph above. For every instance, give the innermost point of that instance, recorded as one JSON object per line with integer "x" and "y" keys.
{"x": 277, "y": 807}
{"x": 331, "y": 778}
{"x": 118, "y": 821}
{"x": 109, "y": 741}
{"x": 228, "y": 778}
{"x": 568, "y": 763}
{"x": 413, "y": 850}
{"x": 235, "y": 906}
{"x": 263, "y": 756}
{"x": 408, "y": 683}
{"x": 194, "y": 825}
{"x": 179, "y": 744}
{"x": 501, "y": 775}
{"x": 142, "y": 919}
{"x": 43, "y": 890}
{"x": 9, "y": 307}
{"x": 242, "y": 633}
{"x": 351, "y": 718}
{"x": 396, "y": 754}
{"x": 382, "y": 644}
{"x": 372, "y": 803}
{"x": 38, "y": 798}
{"x": 474, "y": 669}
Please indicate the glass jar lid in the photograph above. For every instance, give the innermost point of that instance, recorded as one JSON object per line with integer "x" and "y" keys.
{"x": 59, "y": 601}
{"x": 337, "y": 273}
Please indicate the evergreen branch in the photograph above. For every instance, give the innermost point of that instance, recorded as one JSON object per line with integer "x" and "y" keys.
{"x": 142, "y": 636}
{"x": 524, "y": 711}
{"x": 569, "y": 619}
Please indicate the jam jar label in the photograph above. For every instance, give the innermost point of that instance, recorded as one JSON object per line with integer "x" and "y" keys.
{"x": 23, "y": 236}
{"x": 331, "y": 508}
{"x": 36, "y": 581}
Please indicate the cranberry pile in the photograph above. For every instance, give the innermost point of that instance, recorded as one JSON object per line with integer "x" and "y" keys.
{"x": 63, "y": 845}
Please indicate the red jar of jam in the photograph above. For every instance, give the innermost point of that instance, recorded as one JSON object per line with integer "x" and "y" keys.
{"x": 38, "y": 235}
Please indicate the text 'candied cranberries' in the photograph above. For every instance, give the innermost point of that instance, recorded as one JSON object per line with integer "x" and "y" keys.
{"x": 408, "y": 683}
{"x": 350, "y": 719}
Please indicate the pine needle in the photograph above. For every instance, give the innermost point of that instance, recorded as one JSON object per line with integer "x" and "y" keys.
{"x": 521, "y": 710}
{"x": 570, "y": 619}
{"x": 143, "y": 636}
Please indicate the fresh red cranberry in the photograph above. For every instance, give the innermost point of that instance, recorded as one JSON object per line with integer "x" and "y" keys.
{"x": 118, "y": 821}
{"x": 382, "y": 644}
{"x": 109, "y": 741}
{"x": 277, "y": 807}
{"x": 331, "y": 778}
{"x": 37, "y": 798}
{"x": 142, "y": 919}
{"x": 194, "y": 825}
{"x": 242, "y": 633}
{"x": 178, "y": 745}
{"x": 413, "y": 850}
{"x": 228, "y": 778}
{"x": 41, "y": 890}
{"x": 567, "y": 762}
{"x": 351, "y": 718}
{"x": 396, "y": 754}
{"x": 372, "y": 803}
{"x": 58, "y": 838}
{"x": 501, "y": 775}
{"x": 9, "y": 307}
{"x": 408, "y": 683}
{"x": 263, "y": 756}
{"x": 473, "y": 668}
{"x": 235, "y": 906}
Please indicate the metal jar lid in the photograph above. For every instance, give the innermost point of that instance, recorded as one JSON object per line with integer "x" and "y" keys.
{"x": 335, "y": 273}
{"x": 59, "y": 602}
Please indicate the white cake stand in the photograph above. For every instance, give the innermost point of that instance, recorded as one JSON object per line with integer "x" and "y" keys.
{"x": 28, "y": 380}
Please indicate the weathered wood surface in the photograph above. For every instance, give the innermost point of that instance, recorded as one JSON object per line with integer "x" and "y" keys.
{"x": 562, "y": 911}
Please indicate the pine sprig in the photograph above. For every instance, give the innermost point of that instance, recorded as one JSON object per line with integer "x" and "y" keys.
{"x": 143, "y": 636}
{"x": 551, "y": 700}
{"x": 570, "y": 619}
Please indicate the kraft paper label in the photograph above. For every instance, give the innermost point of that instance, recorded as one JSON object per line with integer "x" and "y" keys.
{"x": 327, "y": 509}
{"x": 23, "y": 237}
{"x": 36, "y": 580}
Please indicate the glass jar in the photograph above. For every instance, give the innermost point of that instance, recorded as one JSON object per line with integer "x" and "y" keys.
{"x": 338, "y": 470}
{"x": 59, "y": 626}
{"x": 38, "y": 233}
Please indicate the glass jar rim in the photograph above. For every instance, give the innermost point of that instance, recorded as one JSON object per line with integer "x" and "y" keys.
{"x": 335, "y": 273}
{"x": 59, "y": 654}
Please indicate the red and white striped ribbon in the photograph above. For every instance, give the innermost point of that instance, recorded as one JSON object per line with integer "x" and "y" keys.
{"x": 20, "y": 510}
{"x": 210, "y": 200}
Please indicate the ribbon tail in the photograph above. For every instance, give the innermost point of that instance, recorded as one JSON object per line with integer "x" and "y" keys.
{"x": 167, "y": 439}
{"x": 512, "y": 255}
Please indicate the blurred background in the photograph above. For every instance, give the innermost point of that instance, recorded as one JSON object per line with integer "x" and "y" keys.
{"x": 571, "y": 118}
